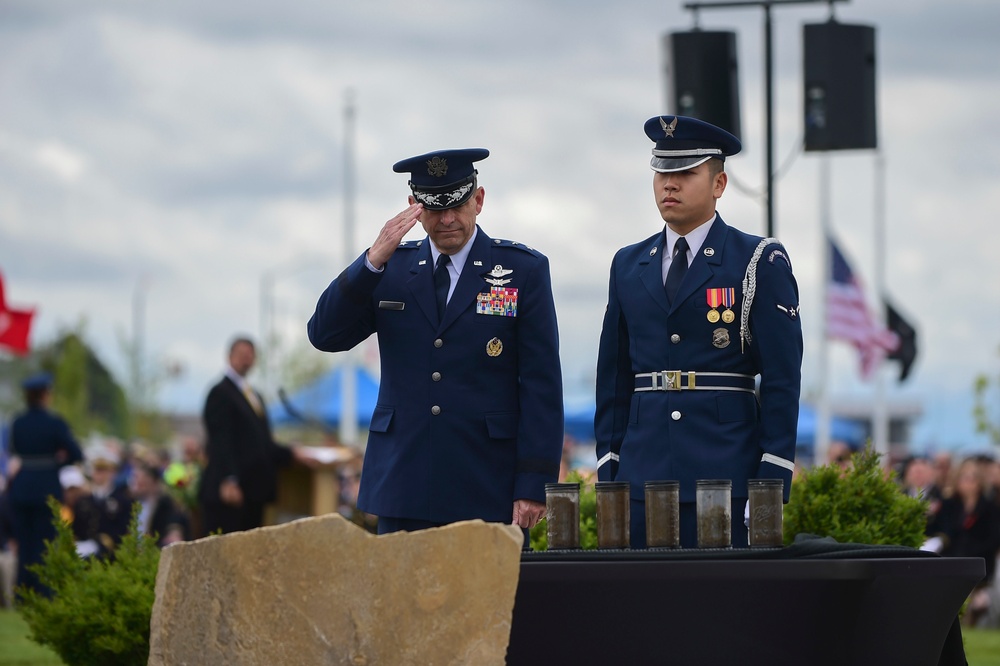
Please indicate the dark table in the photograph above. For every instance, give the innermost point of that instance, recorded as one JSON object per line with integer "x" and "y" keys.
{"x": 822, "y": 603}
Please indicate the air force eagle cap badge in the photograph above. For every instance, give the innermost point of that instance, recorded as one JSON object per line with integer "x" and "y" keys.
{"x": 444, "y": 178}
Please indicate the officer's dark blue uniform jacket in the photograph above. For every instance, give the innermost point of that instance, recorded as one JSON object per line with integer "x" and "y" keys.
{"x": 698, "y": 434}
{"x": 470, "y": 413}
{"x": 44, "y": 443}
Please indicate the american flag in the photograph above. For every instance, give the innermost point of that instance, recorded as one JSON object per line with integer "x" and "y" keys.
{"x": 848, "y": 317}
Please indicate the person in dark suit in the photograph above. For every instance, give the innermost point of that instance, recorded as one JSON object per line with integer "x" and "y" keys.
{"x": 41, "y": 443}
{"x": 469, "y": 419}
{"x": 243, "y": 458}
{"x": 695, "y": 314}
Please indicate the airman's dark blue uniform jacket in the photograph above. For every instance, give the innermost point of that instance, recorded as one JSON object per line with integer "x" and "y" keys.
{"x": 44, "y": 443}
{"x": 688, "y": 435}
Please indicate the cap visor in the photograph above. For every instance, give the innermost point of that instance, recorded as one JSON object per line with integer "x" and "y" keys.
{"x": 438, "y": 200}
{"x": 671, "y": 164}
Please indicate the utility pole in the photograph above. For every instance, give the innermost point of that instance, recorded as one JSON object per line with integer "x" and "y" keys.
{"x": 768, "y": 84}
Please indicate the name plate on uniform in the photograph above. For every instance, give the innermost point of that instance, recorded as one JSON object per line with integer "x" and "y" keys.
{"x": 498, "y": 301}
{"x": 391, "y": 305}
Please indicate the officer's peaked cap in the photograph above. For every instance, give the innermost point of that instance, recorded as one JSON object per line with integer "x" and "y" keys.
{"x": 684, "y": 143}
{"x": 444, "y": 178}
{"x": 37, "y": 382}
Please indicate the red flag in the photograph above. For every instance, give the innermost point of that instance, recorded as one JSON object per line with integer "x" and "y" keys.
{"x": 15, "y": 325}
{"x": 848, "y": 317}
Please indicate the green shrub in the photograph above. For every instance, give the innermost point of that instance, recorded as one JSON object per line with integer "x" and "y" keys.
{"x": 859, "y": 504}
{"x": 99, "y": 610}
{"x": 588, "y": 517}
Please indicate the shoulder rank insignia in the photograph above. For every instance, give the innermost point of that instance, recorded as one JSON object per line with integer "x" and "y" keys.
{"x": 778, "y": 254}
{"x": 495, "y": 277}
{"x": 792, "y": 312}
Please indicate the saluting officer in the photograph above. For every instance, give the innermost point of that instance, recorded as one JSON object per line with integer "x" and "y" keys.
{"x": 469, "y": 420}
{"x": 695, "y": 314}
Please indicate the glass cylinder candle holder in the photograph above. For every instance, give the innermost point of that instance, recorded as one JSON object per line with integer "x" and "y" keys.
{"x": 612, "y": 514}
{"x": 663, "y": 514}
{"x": 766, "y": 512}
{"x": 715, "y": 508}
{"x": 562, "y": 514}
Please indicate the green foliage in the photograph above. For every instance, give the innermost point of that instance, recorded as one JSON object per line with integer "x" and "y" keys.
{"x": 986, "y": 423}
{"x": 84, "y": 393}
{"x": 99, "y": 610}
{"x": 588, "y": 517}
{"x": 859, "y": 504}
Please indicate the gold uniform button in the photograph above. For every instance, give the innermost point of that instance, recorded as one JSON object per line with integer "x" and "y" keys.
{"x": 439, "y": 343}
{"x": 675, "y": 338}
{"x": 435, "y": 410}
{"x": 436, "y": 376}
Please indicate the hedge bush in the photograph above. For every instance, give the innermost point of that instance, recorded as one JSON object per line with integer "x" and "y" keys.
{"x": 858, "y": 504}
{"x": 98, "y": 611}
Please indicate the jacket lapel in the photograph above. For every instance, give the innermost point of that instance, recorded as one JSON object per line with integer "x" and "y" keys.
{"x": 470, "y": 282}
{"x": 421, "y": 282}
{"x": 651, "y": 270}
{"x": 702, "y": 267}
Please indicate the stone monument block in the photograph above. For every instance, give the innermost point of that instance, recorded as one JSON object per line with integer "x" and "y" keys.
{"x": 323, "y": 591}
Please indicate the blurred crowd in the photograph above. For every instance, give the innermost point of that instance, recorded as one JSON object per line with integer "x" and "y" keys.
{"x": 963, "y": 518}
{"x": 98, "y": 496}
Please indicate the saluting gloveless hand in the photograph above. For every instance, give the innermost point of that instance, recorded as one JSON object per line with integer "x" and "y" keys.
{"x": 392, "y": 234}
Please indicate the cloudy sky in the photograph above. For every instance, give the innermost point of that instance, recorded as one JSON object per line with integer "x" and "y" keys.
{"x": 186, "y": 161}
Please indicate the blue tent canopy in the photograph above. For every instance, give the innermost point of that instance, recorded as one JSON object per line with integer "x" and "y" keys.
{"x": 845, "y": 430}
{"x": 579, "y": 417}
{"x": 322, "y": 401}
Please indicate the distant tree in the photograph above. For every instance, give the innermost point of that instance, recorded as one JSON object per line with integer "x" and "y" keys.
{"x": 302, "y": 365}
{"x": 987, "y": 423}
{"x": 85, "y": 392}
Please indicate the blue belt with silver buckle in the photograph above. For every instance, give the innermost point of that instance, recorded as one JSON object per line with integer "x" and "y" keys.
{"x": 679, "y": 380}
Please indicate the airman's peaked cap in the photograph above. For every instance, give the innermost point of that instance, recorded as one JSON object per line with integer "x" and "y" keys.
{"x": 37, "y": 382}
{"x": 683, "y": 143}
{"x": 444, "y": 178}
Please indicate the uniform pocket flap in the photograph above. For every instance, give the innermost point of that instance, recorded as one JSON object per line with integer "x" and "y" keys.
{"x": 502, "y": 425}
{"x": 381, "y": 419}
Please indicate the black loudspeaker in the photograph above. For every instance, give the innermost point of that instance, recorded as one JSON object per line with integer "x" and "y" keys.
{"x": 701, "y": 76}
{"x": 839, "y": 86}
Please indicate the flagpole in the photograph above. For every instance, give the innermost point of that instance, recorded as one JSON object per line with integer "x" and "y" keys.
{"x": 880, "y": 417}
{"x": 348, "y": 430}
{"x": 821, "y": 445}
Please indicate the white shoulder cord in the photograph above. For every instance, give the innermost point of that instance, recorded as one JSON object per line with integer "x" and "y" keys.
{"x": 750, "y": 289}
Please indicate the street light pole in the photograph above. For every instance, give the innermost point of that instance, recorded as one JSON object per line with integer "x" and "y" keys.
{"x": 769, "y": 120}
{"x": 768, "y": 83}
{"x": 348, "y": 431}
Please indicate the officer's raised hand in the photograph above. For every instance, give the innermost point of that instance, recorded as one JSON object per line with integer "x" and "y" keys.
{"x": 392, "y": 234}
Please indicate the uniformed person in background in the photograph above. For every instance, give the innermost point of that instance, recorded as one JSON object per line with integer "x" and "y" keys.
{"x": 695, "y": 314}
{"x": 41, "y": 443}
{"x": 469, "y": 419}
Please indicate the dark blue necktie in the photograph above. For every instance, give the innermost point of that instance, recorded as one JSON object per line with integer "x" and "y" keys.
{"x": 442, "y": 281}
{"x": 678, "y": 267}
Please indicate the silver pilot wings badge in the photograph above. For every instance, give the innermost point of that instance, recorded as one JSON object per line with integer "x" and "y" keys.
{"x": 495, "y": 277}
